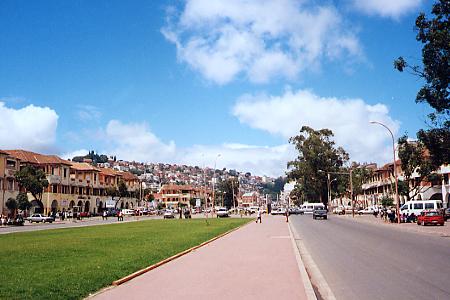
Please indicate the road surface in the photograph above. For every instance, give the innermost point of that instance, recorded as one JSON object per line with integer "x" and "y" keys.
{"x": 364, "y": 261}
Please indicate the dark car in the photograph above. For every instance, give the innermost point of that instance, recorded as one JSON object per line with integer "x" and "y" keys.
{"x": 320, "y": 213}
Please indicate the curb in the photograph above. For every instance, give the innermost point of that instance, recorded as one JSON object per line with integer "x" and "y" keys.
{"x": 309, "y": 290}
{"x": 313, "y": 271}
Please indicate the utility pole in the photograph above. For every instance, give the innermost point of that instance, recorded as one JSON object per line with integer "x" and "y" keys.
{"x": 351, "y": 192}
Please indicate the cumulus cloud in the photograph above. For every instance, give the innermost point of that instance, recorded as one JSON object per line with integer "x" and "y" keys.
{"x": 258, "y": 39}
{"x": 347, "y": 118}
{"x": 259, "y": 160}
{"x": 70, "y": 155}
{"x": 387, "y": 8}
{"x": 31, "y": 127}
{"x": 135, "y": 141}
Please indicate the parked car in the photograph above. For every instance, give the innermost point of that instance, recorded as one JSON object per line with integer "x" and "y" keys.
{"x": 340, "y": 210}
{"x": 168, "y": 214}
{"x": 366, "y": 211}
{"x": 127, "y": 212}
{"x": 430, "y": 217}
{"x": 40, "y": 218}
{"x": 222, "y": 212}
{"x": 278, "y": 211}
{"x": 84, "y": 214}
{"x": 447, "y": 214}
{"x": 320, "y": 213}
{"x": 294, "y": 210}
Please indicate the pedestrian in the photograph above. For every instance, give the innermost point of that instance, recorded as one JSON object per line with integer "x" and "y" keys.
{"x": 118, "y": 215}
{"x": 3, "y": 220}
{"x": 104, "y": 215}
{"x": 258, "y": 216}
{"x": 287, "y": 215}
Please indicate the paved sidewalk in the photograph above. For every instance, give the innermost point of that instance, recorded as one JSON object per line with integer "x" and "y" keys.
{"x": 255, "y": 262}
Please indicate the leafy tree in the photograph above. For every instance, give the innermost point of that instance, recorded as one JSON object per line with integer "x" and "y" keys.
{"x": 33, "y": 180}
{"x": 317, "y": 156}
{"x": 11, "y": 204}
{"x": 416, "y": 167}
{"x": 161, "y": 205}
{"x": 22, "y": 201}
{"x": 117, "y": 193}
{"x": 434, "y": 34}
{"x": 387, "y": 201}
{"x": 229, "y": 188}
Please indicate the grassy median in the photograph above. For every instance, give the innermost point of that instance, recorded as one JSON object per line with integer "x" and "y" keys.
{"x": 71, "y": 263}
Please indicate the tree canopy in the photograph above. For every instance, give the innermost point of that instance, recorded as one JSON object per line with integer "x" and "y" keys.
{"x": 317, "y": 155}
{"x": 33, "y": 180}
{"x": 434, "y": 34}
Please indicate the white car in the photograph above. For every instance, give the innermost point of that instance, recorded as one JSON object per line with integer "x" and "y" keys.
{"x": 340, "y": 210}
{"x": 279, "y": 211}
{"x": 222, "y": 212}
{"x": 40, "y": 218}
{"x": 366, "y": 211}
{"x": 127, "y": 212}
{"x": 168, "y": 214}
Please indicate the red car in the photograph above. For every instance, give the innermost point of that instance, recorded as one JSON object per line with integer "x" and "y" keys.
{"x": 430, "y": 217}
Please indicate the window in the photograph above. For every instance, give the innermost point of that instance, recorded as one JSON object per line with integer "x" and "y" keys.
{"x": 418, "y": 205}
{"x": 429, "y": 205}
{"x": 10, "y": 163}
{"x": 65, "y": 172}
{"x": 439, "y": 205}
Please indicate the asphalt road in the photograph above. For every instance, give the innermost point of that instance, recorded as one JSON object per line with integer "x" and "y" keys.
{"x": 364, "y": 261}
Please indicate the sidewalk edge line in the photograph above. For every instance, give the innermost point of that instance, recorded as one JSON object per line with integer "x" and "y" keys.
{"x": 309, "y": 290}
{"x": 312, "y": 269}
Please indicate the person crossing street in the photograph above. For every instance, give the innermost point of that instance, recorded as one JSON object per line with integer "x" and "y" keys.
{"x": 258, "y": 216}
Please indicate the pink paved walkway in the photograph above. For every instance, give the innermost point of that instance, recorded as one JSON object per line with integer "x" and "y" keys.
{"x": 254, "y": 262}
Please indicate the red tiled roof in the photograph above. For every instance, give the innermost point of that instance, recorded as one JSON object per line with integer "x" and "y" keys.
{"x": 110, "y": 172}
{"x": 83, "y": 167}
{"x": 128, "y": 176}
{"x": 36, "y": 158}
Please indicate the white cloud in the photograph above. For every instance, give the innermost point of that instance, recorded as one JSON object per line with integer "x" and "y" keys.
{"x": 31, "y": 127}
{"x": 135, "y": 141}
{"x": 259, "y": 160}
{"x": 70, "y": 155}
{"x": 88, "y": 113}
{"x": 387, "y": 8}
{"x": 347, "y": 118}
{"x": 259, "y": 39}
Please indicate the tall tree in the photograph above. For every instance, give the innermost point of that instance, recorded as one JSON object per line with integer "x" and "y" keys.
{"x": 317, "y": 155}
{"x": 11, "y": 204}
{"x": 228, "y": 188}
{"x": 416, "y": 167}
{"x": 434, "y": 34}
{"x": 33, "y": 180}
{"x": 22, "y": 201}
{"x": 117, "y": 193}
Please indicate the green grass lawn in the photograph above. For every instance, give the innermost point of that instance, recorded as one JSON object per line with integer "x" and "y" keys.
{"x": 71, "y": 263}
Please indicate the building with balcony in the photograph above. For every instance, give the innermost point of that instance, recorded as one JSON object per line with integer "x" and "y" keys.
{"x": 70, "y": 183}
{"x": 8, "y": 184}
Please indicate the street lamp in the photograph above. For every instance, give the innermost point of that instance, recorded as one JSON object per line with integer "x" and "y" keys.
{"x": 395, "y": 168}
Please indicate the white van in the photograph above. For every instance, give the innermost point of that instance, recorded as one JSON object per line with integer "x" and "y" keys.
{"x": 308, "y": 208}
{"x": 418, "y": 206}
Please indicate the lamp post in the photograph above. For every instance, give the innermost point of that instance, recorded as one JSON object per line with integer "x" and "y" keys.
{"x": 395, "y": 168}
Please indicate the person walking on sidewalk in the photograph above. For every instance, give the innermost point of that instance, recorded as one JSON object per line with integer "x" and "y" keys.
{"x": 258, "y": 216}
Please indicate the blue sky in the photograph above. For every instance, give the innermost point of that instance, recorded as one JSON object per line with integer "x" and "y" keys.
{"x": 181, "y": 81}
